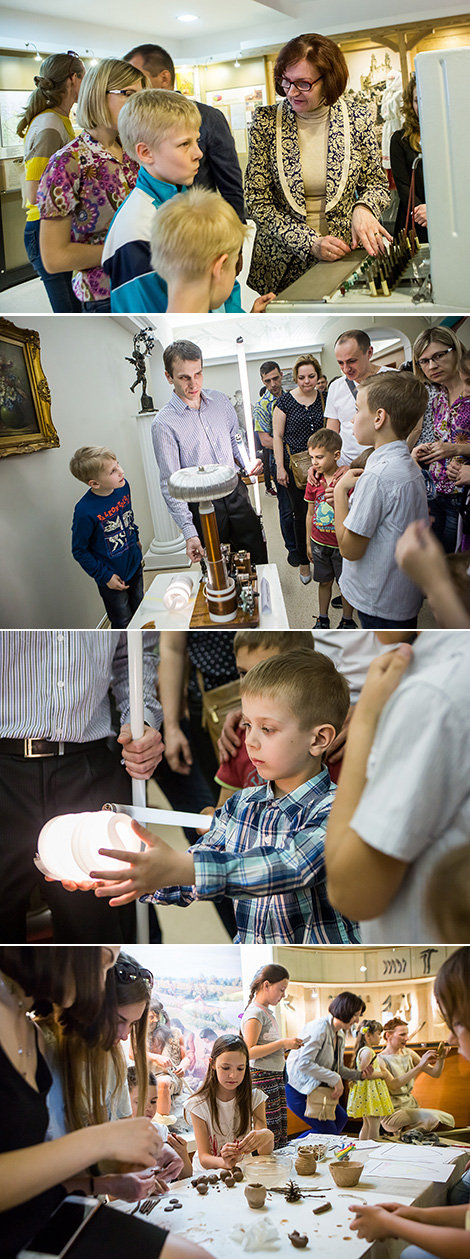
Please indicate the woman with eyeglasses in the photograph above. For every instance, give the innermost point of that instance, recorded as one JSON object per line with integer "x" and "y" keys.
{"x": 90, "y": 1078}
{"x": 84, "y": 184}
{"x": 45, "y": 127}
{"x": 437, "y": 355}
{"x": 35, "y": 1173}
{"x": 314, "y": 181}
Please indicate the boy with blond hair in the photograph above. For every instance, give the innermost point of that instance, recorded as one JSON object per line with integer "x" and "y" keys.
{"x": 197, "y": 240}
{"x": 265, "y": 846}
{"x": 105, "y": 537}
{"x": 389, "y": 493}
{"x": 161, "y": 133}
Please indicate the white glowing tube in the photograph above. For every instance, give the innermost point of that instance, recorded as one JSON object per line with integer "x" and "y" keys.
{"x": 69, "y": 846}
{"x": 136, "y": 703}
{"x": 250, "y": 431}
{"x": 178, "y": 592}
{"x": 165, "y": 817}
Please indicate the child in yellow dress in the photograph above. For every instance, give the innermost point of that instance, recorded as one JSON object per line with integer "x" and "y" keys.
{"x": 369, "y": 1099}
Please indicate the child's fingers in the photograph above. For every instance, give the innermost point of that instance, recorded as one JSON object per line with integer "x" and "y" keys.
{"x": 109, "y": 878}
{"x": 133, "y": 858}
{"x": 114, "y": 889}
{"x": 123, "y": 900}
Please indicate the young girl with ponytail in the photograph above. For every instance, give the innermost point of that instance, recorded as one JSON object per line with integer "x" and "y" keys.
{"x": 267, "y": 1046}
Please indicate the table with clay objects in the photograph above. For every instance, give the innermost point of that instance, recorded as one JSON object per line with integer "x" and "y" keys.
{"x": 220, "y": 1219}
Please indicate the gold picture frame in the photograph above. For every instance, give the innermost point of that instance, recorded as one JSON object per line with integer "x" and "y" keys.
{"x": 25, "y": 398}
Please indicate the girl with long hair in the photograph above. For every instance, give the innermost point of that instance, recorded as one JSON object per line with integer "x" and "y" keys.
{"x": 266, "y": 1045}
{"x": 369, "y": 1099}
{"x": 45, "y": 127}
{"x": 36, "y": 1174}
{"x": 405, "y": 147}
{"x": 227, "y": 1113}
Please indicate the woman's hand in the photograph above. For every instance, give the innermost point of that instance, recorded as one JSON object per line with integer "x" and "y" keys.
{"x": 130, "y": 1186}
{"x": 133, "y": 1141}
{"x": 282, "y": 475}
{"x": 329, "y": 249}
{"x": 230, "y": 742}
{"x": 337, "y": 1091}
{"x": 458, "y": 472}
{"x": 385, "y": 674}
{"x": 348, "y": 480}
{"x": 428, "y": 1059}
{"x": 261, "y": 303}
{"x": 177, "y": 751}
{"x": 368, "y": 232}
{"x": 420, "y": 215}
{"x": 336, "y": 750}
{"x": 372, "y": 1223}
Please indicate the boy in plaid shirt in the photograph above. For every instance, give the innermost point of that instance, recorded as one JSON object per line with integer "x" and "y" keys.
{"x": 265, "y": 846}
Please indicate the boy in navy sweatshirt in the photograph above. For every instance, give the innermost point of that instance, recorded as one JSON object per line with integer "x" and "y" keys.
{"x": 105, "y": 537}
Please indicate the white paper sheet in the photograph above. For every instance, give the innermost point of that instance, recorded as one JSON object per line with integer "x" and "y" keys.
{"x": 388, "y": 1169}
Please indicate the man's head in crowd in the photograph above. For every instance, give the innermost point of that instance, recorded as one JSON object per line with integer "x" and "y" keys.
{"x": 156, "y": 63}
{"x": 354, "y": 351}
{"x": 182, "y": 361}
{"x": 271, "y": 377}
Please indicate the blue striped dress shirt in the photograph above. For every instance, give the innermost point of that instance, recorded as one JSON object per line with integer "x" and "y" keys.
{"x": 268, "y": 854}
{"x": 184, "y": 437}
{"x": 55, "y": 683}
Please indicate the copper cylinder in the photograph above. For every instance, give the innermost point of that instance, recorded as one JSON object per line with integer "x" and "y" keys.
{"x": 216, "y": 565}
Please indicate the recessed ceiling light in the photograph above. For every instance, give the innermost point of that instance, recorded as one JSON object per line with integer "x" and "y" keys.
{"x": 187, "y": 17}
{"x": 364, "y": 968}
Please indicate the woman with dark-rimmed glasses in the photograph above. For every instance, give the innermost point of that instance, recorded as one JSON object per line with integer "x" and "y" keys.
{"x": 437, "y": 354}
{"x": 35, "y": 1174}
{"x": 84, "y": 184}
{"x": 314, "y": 181}
{"x": 45, "y": 127}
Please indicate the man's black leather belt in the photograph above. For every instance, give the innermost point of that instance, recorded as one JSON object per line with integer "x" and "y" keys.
{"x": 34, "y": 749}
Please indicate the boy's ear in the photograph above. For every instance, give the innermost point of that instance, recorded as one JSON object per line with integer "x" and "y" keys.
{"x": 218, "y": 266}
{"x": 321, "y": 738}
{"x": 380, "y": 419}
{"x": 92, "y": 484}
{"x": 143, "y": 154}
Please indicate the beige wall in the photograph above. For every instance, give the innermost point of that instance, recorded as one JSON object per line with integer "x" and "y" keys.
{"x": 83, "y": 360}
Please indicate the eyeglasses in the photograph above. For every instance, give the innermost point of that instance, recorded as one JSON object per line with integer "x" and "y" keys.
{"x": 128, "y": 973}
{"x": 435, "y": 358}
{"x": 121, "y": 91}
{"x": 303, "y": 85}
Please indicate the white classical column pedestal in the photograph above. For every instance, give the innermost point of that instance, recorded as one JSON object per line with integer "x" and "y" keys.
{"x": 167, "y": 548}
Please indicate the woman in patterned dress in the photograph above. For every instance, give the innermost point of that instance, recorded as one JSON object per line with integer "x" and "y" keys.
{"x": 314, "y": 181}
{"x": 437, "y": 354}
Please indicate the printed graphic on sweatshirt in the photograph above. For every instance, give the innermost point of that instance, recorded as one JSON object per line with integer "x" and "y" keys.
{"x": 118, "y": 527}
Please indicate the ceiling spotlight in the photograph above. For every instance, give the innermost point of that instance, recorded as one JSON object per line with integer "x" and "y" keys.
{"x": 363, "y": 968}
{"x": 237, "y": 64}
{"x": 187, "y": 17}
{"x": 89, "y": 53}
{"x": 37, "y": 56}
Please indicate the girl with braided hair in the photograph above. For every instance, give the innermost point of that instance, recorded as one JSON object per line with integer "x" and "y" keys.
{"x": 369, "y": 1099}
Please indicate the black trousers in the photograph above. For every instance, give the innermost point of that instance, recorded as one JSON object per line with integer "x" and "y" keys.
{"x": 32, "y": 792}
{"x": 299, "y": 510}
{"x": 238, "y": 523}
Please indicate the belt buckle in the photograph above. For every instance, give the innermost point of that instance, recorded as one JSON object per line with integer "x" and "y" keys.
{"x": 37, "y": 756}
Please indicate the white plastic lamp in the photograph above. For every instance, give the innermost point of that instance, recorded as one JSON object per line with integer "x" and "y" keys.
{"x": 250, "y": 430}
{"x": 178, "y": 592}
{"x": 135, "y": 654}
{"x": 69, "y": 846}
{"x": 202, "y": 485}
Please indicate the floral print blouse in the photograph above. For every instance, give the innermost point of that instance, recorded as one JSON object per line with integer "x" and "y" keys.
{"x": 451, "y": 424}
{"x": 85, "y": 181}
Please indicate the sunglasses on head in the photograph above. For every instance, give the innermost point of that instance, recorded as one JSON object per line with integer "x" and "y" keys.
{"x": 129, "y": 973}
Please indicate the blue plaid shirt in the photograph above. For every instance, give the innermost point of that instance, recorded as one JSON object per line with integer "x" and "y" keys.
{"x": 268, "y": 854}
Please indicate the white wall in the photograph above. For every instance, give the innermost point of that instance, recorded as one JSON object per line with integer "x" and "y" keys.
{"x": 83, "y": 358}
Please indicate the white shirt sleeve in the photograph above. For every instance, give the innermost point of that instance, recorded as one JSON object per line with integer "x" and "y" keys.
{"x": 366, "y": 507}
{"x": 416, "y": 784}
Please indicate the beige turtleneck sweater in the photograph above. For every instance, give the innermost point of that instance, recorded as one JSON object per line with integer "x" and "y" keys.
{"x": 312, "y": 131}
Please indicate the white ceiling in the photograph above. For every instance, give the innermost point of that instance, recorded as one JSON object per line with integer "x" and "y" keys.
{"x": 249, "y": 26}
{"x": 263, "y": 335}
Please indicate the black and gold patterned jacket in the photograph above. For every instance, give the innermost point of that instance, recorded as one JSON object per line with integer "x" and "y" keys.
{"x": 274, "y": 188}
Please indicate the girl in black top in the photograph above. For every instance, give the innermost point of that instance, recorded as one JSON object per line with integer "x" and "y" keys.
{"x": 405, "y": 147}
{"x": 295, "y": 417}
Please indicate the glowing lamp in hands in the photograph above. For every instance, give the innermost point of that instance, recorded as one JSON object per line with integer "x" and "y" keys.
{"x": 68, "y": 846}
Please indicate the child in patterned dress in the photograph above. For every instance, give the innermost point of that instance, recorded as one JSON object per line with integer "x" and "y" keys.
{"x": 369, "y": 1099}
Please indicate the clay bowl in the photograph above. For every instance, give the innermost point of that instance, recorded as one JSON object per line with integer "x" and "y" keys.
{"x": 345, "y": 1175}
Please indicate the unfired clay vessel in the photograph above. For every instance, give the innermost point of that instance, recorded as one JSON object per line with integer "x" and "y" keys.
{"x": 255, "y": 1196}
{"x": 306, "y": 1163}
{"x": 346, "y": 1174}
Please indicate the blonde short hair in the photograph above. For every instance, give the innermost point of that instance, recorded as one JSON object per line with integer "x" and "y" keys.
{"x": 191, "y": 231}
{"x": 88, "y": 461}
{"x": 148, "y": 117}
{"x": 109, "y": 75}
{"x": 307, "y": 682}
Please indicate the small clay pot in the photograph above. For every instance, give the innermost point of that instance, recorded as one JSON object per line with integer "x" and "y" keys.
{"x": 202, "y": 1186}
{"x": 299, "y": 1240}
{"x": 346, "y": 1174}
{"x": 306, "y": 1163}
{"x": 255, "y": 1196}
{"x": 237, "y": 1174}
